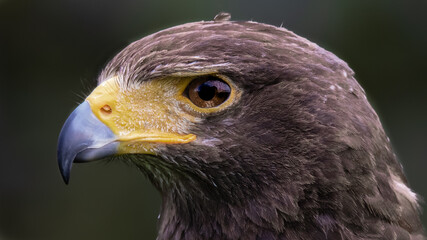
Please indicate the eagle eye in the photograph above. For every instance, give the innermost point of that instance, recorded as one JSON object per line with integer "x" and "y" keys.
{"x": 208, "y": 91}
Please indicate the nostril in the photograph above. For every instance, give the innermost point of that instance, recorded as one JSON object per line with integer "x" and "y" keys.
{"x": 106, "y": 109}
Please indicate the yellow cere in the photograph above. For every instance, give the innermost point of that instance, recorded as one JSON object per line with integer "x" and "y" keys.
{"x": 145, "y": 114}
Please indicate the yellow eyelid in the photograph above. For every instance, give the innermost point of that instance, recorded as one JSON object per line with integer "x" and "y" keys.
{"x": 234, "y": 95}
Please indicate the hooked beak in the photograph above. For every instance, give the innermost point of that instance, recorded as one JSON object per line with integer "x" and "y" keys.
{"x": 84, "y": 138}
{"x": 103, "y": 126}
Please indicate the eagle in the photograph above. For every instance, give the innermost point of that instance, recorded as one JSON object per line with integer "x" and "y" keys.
{"x": 248, "y": 131}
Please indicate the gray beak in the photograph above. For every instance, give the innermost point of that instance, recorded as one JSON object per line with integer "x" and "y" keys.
{"x": 83, "y": 138}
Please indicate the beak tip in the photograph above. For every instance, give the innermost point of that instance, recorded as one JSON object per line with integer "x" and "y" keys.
{"x": 65, "y": 171}
{"x": 65, "y": 177}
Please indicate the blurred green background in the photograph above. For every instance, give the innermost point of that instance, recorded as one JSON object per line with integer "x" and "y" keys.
{"x": 52, "y": 50}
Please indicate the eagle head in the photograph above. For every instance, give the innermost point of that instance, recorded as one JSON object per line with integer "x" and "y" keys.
{"x": 249, "y": 132}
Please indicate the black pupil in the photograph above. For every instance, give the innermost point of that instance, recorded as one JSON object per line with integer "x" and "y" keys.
{"x": 207, "y": 90}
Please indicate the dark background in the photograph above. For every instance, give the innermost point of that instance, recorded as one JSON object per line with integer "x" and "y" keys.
{"x": 52, "y": 50}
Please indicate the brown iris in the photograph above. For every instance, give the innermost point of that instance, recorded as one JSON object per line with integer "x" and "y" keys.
{"x": 208, "y": 91}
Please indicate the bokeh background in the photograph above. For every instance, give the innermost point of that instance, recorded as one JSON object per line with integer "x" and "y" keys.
{"x": 51, "y": 52}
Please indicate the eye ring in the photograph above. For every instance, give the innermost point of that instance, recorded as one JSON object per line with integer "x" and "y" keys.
{"x": 208, "y": 91}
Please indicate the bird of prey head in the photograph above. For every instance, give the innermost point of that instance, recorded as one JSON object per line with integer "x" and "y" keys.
{"x": 249, "y": 132}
